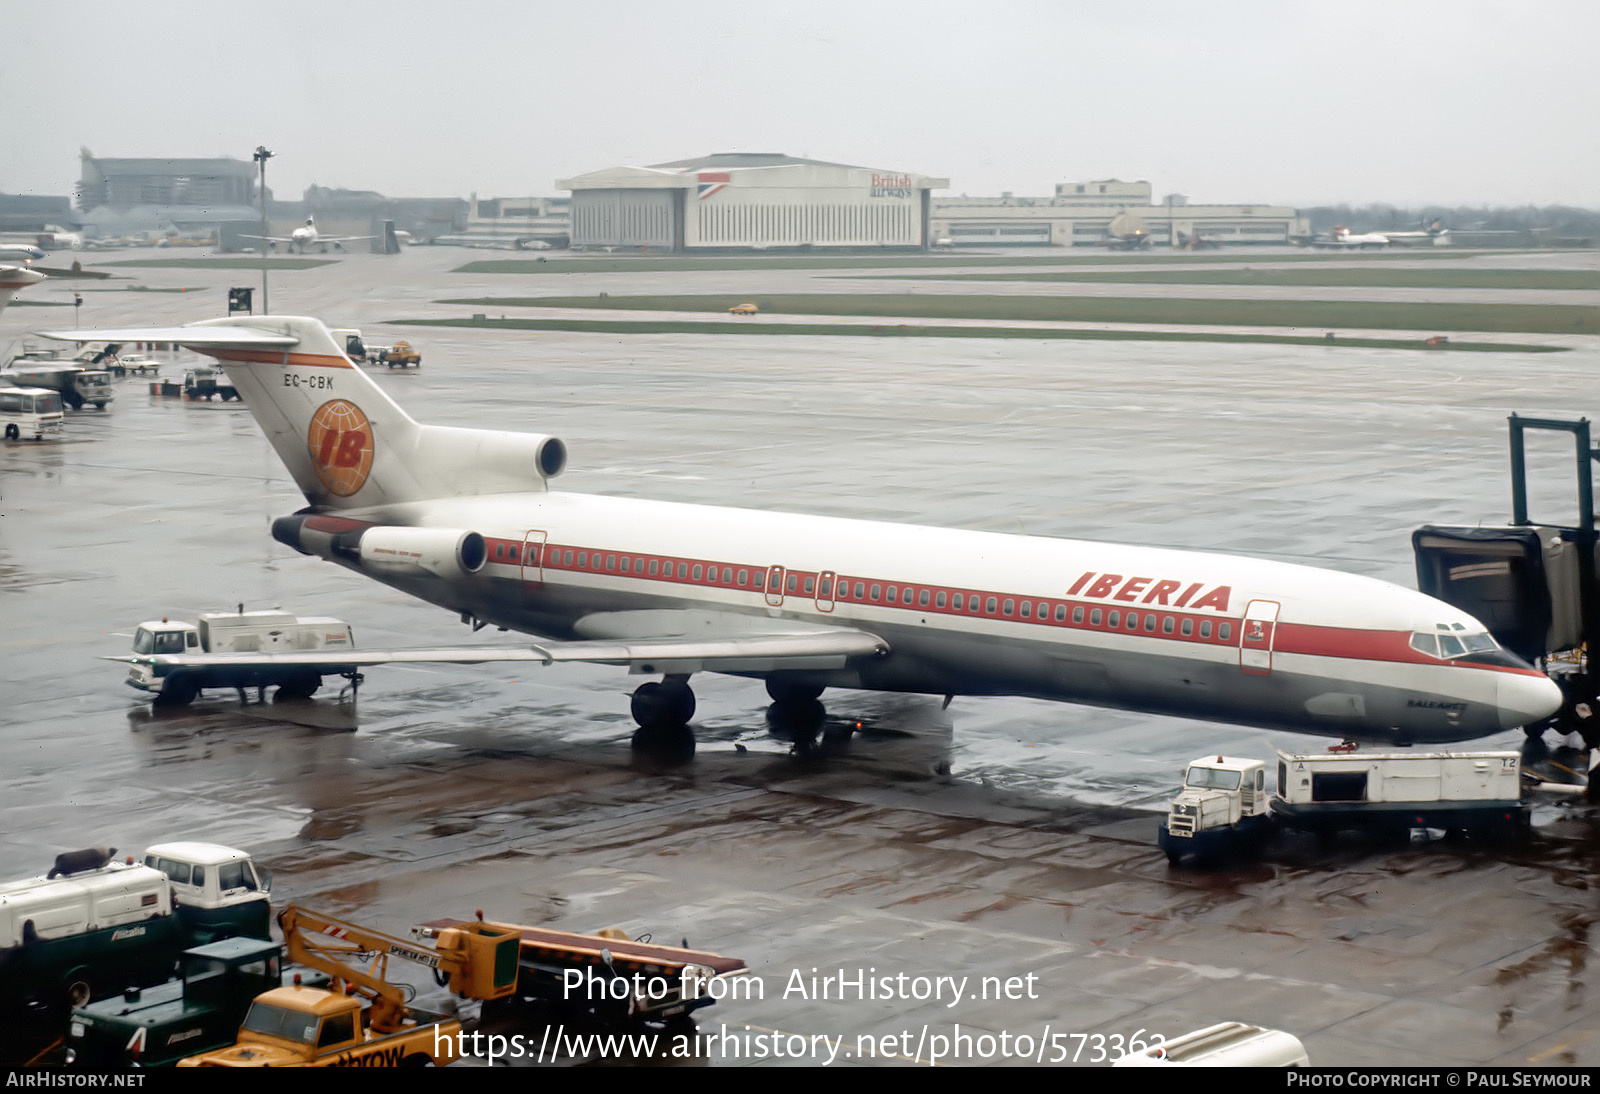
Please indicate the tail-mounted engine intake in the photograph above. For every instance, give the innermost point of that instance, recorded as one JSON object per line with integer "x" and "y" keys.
{"x": 457, "y": 461}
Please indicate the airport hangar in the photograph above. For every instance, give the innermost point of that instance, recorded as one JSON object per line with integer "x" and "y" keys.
{"x": 1080, "y": 214}
{"x": 751, "y": 201}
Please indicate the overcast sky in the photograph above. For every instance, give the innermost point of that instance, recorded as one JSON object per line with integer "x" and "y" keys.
{"x": 1276, "y": 101}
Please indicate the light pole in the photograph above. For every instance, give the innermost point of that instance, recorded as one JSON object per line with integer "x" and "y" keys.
{"x": 262, "y": 156}
{"x": 77, "y": 302}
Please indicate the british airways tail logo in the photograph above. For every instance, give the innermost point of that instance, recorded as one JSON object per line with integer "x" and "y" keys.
{"x": 712, "y": 183}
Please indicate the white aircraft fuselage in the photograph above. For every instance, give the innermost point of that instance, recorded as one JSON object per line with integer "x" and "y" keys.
{"x": 13, "y": 278}
{"x": 464, "y": 519}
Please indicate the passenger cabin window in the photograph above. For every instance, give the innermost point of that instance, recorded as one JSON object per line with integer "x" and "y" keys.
{"x": 811, "y": 585}
{"x": 922, "y": 598}
{"x": 1061, "y": 613}
{"x": 938, "y": 601}
{"x": 892, "y": 595}
{"x": 1005, "y": 609}
{"x": 1223, "y": 631}
{"x": 1094, "y": 618}
{"x": 1077, "y": 614}
{"x": 1113, "y": 619}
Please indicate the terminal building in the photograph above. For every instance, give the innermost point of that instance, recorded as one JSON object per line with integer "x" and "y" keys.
{"x": 1080, "y": 214}
{"x": 751, "y": 201}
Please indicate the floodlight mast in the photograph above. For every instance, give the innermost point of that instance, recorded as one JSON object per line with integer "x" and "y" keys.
{"x": 261, "y": 157}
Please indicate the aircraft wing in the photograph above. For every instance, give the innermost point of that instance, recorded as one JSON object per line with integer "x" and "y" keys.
{"x": 752, "y": 650}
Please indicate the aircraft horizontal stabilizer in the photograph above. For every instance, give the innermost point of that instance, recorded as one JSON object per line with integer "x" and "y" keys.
{"x": 248, "y": 337}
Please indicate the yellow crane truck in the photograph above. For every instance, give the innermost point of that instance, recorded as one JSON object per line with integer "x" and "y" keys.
{"x": 362, "y": 1018}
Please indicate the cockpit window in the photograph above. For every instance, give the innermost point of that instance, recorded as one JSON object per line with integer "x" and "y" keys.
{"x": 1456, "y": 643}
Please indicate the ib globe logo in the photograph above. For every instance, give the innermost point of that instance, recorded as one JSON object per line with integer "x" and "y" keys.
{"x": 340, "y": 440}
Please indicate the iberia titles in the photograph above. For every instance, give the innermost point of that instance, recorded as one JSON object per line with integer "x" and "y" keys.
{"x": 1149, "y": 590}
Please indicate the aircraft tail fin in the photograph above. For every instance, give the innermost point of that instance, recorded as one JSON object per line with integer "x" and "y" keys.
{"x": 344, "y": 441}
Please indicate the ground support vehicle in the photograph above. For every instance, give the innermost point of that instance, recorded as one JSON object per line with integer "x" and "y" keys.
{"x": 93, "y": 926}
{"x": 31, "y": 412}
{"x": 198, "y": 1011}
{"x": 350, "y": 339}
{"x": 1475, "y": 793}
{"x": 401, "y": 354}
{"x": 176, "y": 660}
{"x": 304, "y": 1026}
{"x": 1226, "y": 1044}
{"x": 78, "y": 386}
{"x": 218, "y": 892}
{"x": 606, "y": 976}
{"x": 142, "y": 363}
{"x": 1221, "y": 810}
{"x": 207, "y": 382}
{"x": 68, "y": 937}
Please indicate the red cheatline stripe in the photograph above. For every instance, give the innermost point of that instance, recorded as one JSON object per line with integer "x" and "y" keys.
{"x": 327, "y": 523}
{"x": 273, "y": 357}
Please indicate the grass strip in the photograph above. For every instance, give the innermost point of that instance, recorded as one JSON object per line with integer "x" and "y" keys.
{"x": 904, "y": 330}
{"x": 667, "y": 263}
{"x": 1393, "y": 278}
{"x": 1438, "y": 318}
{"x": 224, "y": 263}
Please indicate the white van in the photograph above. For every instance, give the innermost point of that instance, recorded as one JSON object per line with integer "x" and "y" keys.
{"x": 31, "y": 412}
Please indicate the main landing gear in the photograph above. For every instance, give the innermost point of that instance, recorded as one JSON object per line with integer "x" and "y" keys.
{"x": 669, "y": 705}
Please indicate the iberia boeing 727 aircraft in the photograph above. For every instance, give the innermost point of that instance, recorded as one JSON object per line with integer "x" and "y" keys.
{"x": 465, "y": 519}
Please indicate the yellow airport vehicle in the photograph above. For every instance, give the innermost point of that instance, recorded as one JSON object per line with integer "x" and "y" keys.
{"x": 363, "y": 1019}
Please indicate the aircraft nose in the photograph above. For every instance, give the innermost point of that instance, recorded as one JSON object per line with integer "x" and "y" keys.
{"x": 1525, "y": 698}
